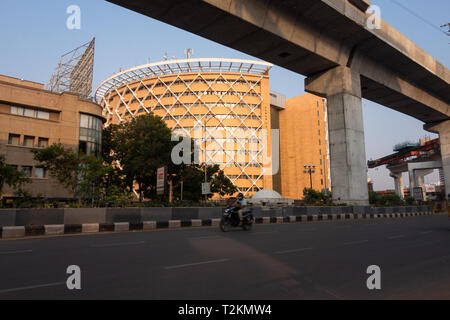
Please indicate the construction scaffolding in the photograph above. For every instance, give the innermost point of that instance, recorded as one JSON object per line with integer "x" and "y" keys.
{"x": 75, "y": 72}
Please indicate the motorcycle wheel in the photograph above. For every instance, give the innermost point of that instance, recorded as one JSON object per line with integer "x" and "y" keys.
{"x": 247, "y": 226}
{"x": 225, "y": 225}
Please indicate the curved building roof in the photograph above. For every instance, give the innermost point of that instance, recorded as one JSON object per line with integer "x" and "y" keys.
{"x": 169, "y": 67}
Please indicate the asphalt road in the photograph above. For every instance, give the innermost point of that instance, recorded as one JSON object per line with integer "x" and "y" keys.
{"x": 320, "y": 260}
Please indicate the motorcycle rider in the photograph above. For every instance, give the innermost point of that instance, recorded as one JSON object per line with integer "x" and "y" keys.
{"x": 240, "y": 205}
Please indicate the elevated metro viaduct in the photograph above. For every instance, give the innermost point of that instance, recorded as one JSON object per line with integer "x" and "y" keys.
{"x": 345, "y": 59}
{"x": 418, "y": 161}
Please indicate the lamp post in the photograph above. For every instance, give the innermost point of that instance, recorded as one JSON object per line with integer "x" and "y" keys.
{"x": 310, "y": 169}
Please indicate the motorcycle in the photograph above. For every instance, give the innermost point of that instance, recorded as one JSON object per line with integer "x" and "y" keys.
{"x": 230, "y": 219}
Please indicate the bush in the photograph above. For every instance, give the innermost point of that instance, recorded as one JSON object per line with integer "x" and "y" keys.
{"x": 388, "y": 200}
{"x": 313, "y": 197}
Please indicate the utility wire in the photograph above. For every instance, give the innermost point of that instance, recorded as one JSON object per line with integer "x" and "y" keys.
{"x": 420, "y": 17}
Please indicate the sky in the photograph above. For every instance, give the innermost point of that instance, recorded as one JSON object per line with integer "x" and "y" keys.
{"x": 33, "y": 35}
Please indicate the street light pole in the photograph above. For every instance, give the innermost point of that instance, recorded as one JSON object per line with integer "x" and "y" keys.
{"x": 310, "y": 169}
{"x": 204, "y": 162}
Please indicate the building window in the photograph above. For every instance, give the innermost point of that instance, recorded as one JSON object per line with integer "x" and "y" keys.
{"x": 43, "y": 115}
{"x": 14, "y": 139}
{"x": 43, "y": 143}
{"x": 320, "y": 161}
{"x": 321, "y": 180}
{"x": 30, "y": 112}
{"x": 320, "y": 142}
{"x": 90, "y": 135}
{"x": 320, "y": 151}
{"x": 27, "y": 170}
{"x": 16, "y": 110}
{"x": 28, "y": 141}
{"x": 319, "y": 132}
{"x": 39, "y": 173}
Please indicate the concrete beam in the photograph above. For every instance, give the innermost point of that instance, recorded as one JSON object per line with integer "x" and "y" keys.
{"x": 309, "y": 37}
{"x": 342, "y": 87}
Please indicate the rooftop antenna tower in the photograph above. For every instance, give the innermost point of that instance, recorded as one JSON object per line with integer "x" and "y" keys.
{"x": 75, "y": 71}
{"x": 189, "y": 52}
{"x": 447, "y": 32}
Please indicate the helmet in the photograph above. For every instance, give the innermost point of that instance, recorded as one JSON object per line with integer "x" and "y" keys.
{"x": 240, "y": 196}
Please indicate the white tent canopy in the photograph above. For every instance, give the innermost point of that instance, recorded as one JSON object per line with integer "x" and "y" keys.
{"x": 267, "y": 194}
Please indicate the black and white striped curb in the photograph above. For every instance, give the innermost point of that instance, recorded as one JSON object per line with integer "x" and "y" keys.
{"x": 57, "y": 230}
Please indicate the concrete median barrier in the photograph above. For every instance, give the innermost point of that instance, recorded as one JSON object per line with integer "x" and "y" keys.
{"x": 173, "y": 224}
{"x": 196, "y": 223}
{"x": 90, "y": 228}
{"x": 149, "y": 225}
{"x": 54, "y": 230}
{"x": 13, "y": 232}
{"x": 121, "y": 226}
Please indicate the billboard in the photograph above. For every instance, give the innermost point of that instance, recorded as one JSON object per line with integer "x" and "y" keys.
{"x": 161, "y": 181}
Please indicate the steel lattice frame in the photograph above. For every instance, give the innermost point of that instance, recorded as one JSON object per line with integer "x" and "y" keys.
{"x": 75, "y": 71}
{"x": 136, "y": 79}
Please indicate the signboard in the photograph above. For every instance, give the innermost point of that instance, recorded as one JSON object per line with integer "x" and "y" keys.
{"x": 161, "y": 181}
{"x": 206, "y": 188}
{"x": 418, "y": 194}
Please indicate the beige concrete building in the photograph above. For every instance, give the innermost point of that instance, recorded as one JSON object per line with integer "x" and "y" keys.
{"x": 31, "y": 117}
{"x": 304, "y": 141}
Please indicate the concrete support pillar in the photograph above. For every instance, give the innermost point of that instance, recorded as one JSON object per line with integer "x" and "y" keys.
{"x": 443, "y": 129}
{"x": 348, "y": 167}
{"x": 398, "y": 181}
{"x": 417, "y": 179}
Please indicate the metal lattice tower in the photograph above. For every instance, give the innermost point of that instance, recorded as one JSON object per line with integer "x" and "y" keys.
{"x": 75, "y": 71}
{"x": 168, "y": 89}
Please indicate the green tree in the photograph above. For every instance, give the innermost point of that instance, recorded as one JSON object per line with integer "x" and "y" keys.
{"x": 313, "y": 197}
{"x": 221, "y": 184}
{"x": 10, "y": 176}
{"x": 84, "y": 176}
{"x": 92, "y": 178}
{"x": 141, "y": 147}
{"x": 63, "y": 164}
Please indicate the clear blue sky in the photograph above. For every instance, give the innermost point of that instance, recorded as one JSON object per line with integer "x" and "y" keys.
{"x": 33, "y": 35}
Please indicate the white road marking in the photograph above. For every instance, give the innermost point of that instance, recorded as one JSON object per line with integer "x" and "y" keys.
{"x": 396, "y": 237}
{"x": 264, "y": 232}
{"x": 343, "y": 227}
{"x": 15, "y": 252}
{"x": 293, "y": 251}
{"x": 355, "y": 242}
{"x": 117, "y": 244}
{"x": 55, "y": 284}
{"x": 196, "y": 264}
{"x": 205, "y": 237}
{"x": 426, "y": 232}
